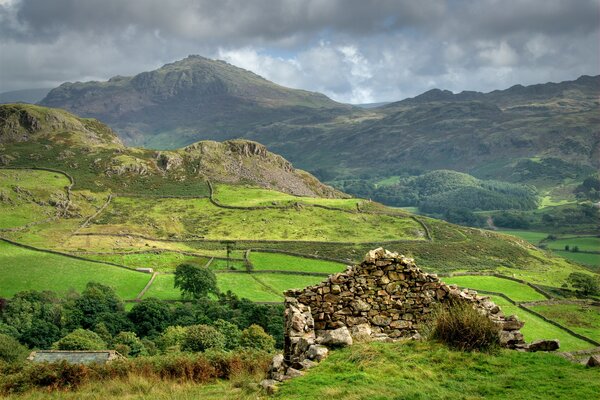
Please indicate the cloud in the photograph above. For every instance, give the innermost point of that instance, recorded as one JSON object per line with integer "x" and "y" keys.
{"x": 351, "y": 50}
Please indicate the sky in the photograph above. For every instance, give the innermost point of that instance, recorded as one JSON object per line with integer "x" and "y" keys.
{"x": 354, "y": 51}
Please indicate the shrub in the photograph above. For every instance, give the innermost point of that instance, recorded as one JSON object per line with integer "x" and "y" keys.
{"x": 129, "y": 344}
{"x": 11, "y": 350}
{"x": 231, "y": 333}
{"x": 584, "y": 283}
{"x": 172, "y": 338}
{"x": 460, "y": 326}
{"x": 202, "y": 338}
{"x": 255, "y": 337}
{"x": 80, "y": 339}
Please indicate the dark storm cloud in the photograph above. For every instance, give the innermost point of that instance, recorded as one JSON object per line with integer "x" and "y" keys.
{"x": 349, "y": 49}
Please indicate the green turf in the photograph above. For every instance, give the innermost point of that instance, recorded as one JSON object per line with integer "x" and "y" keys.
{"x": 220, "y": 264}
{"x": 536, "y": 328}
{"x": 247, "y": 196}
{"x": 583, "y": 319}
{"x": 282, "y": 282}
{"x": 198, "y": 217}
{"x": 424, "y": 370}
{"x": 530, "y": 236}
{"x": 515, "y": 290}
{"x": 163, "y": 288}
{"x": 22, "y": 269}
{"x": 246, "y": 286}
{"x": 587, "y": 243}
{"x": 284, "y": 262}
{"x": 590, "y": 259}
{"x": 25, "y": 196}
{"x": 164, "y": 261}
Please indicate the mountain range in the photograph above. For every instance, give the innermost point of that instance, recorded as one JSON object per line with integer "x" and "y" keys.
{"x": 540, "y": 134}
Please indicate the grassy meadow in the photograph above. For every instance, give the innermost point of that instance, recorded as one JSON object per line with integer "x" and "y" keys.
{"x": 514, "y": 290}
{"x": 284, "y": 262}
{"x": 22, "y": 269}
{"x": 582, "y": 318}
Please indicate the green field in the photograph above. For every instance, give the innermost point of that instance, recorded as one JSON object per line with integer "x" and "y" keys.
{"x": 22, "y": 269}
{"x": 284, "y": 262}
{"x": 247, "y": 196}
{"x": 246, "y": 286}
{"x": 282, "y": 282}
{"x": 583, "y": 319}
{"x": 163, "y": 261}
{"x": 536, "y": 328}
{"x": 593, "y": 260}
{"x": 198, "y": 217}
{"x": 25, "y": 196}
{"x": 163, "y": 288}
{"x": 221, "y": 264}
{"x": 586, "y": 243}
{"x": 515, "y": 290}
{"x": 530, "y": 236}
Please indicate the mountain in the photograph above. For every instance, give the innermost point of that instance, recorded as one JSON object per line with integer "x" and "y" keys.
{"x": 31, "y": 96}
{"x": 540, "y": 134}
{"x": 195, "y": 98}
{"x": 54, "y": 138}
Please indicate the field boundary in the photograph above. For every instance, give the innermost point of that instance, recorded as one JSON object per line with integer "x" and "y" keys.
{"x": 271, "y": 271}
{"x": 94, "y": 215}
{"x": 250, "y": 241}
{"x": 58, "y": 253}
{"x": 291, "y": 253}
{"x": 145, "y": 289}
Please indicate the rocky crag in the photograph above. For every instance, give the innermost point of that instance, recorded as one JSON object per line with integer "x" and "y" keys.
{"x": 385, "y": 298}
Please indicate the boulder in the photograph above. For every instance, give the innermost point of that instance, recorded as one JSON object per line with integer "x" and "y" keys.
{"x": 317, "y": 352}
{"x": 269, "y": 385}
{"x": 512, "y": 323}
{"x": 594, "y": 361}
{"x": 361, "y": 333}
{"x": 544, "y": 345}
{"x": 335, "y": 338}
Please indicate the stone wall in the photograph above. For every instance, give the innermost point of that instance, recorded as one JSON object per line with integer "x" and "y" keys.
{"x": 384, "y": 298}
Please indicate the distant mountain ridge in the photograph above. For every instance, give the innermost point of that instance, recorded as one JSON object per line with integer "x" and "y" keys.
{"x": 188, "y": 100}
{"x": 31, "y": 96}
{"x": 520, "y": 134}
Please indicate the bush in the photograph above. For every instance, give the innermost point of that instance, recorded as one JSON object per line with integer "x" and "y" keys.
{"x": 172, "y": 338}
{"x": 129, "y": 344}
{"x": 80, "y": 339}
{"x": 11, "y": 350}
{"x": 231, "y": 333}
{"x": 584, "y": 283}
{"x": 202, "y": 338}
{"x": 255, "y": 337}
{"x": 460, "y": 326}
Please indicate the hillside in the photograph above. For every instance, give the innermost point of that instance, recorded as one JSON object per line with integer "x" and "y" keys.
{"x": 94, "y": 155}
{"x": 189, "y": 100}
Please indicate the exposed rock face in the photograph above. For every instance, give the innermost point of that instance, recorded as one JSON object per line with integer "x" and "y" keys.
{"x": 384, "y": 298}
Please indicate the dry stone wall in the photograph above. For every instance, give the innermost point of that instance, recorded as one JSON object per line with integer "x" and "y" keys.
{"x": 384, "y": 298}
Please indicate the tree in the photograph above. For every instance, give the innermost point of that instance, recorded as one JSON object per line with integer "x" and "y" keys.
{"x": 255, "y": 337}
{"x": 586, "y": 284}
{"x": 203, "y": 337}
{"x": 96, "y": 300}
{"x": 195, "y": 282}
{"x": 575, "y": 249}
{"x": 80, "y": 339}
{"x": 128, "y": 344}
{"x": 231, "y": 333}
{"x": 566, "y": 247}
{"x": 150, "y": 317}
{"x": 172, "y": 338}
{"x": 11, "y": 350}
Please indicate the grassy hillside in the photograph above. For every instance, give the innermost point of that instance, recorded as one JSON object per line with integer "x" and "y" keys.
{"x": 423, "y": 370}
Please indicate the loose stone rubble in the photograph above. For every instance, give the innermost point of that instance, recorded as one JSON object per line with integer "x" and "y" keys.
{"x": 385, "y": 298}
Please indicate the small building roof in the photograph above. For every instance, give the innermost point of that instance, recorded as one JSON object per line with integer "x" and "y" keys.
{"x": 75, "y": 356}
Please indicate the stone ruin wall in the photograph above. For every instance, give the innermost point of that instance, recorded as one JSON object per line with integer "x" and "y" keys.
{"x": 384, "y": 298}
